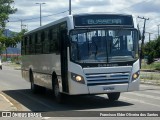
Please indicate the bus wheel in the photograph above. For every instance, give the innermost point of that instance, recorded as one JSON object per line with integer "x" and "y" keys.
{"x": 57, "y": 94}
{"x": 113, "y": 96}
{"x": 34, "y": 88}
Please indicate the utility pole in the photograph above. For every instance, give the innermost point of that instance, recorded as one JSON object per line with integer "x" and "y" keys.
{"x": 22, "y": 25}
{"x": 149, "y": 35}
{"x": 40, "y": 4}
{"x": 70, "y": 7}
{"x": 158, "y": 29}
{"x": 143, "y": 37}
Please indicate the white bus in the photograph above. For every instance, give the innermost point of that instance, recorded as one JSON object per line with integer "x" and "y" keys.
{"x": 83, "y": 54}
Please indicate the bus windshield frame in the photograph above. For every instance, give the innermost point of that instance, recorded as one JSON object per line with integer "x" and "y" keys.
{"x": 103, "y": 45}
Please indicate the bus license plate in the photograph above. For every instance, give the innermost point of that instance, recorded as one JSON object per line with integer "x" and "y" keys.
{"x": 106, "y": 88}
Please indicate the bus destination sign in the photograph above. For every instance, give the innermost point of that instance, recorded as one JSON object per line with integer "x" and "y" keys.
{"x": 102, "y": 21}
{"x": 92, "y": 20}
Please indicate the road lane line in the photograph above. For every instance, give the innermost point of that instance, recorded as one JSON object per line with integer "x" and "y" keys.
{"x": 46, "y": 118}
{"x": 11, "y": 105}
{"x": 144, "y": 95}
{"x": 6, "y": 99}
{"x": 139, "y": 101}
{"x": 151, "y": 91}
{"x": 149, "y": 86}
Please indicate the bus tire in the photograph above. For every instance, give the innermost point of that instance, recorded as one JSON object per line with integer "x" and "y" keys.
{"x": 113, "y": 96}
{"x": 58, "y": 96}
{"x": 34, "y": 88}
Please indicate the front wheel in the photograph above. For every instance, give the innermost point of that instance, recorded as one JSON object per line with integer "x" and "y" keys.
{"x": 113, "y": 96}
{"x": 58, "y": 96}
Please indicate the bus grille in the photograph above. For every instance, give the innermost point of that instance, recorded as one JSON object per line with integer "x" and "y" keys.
{"x": 109, "y": 78}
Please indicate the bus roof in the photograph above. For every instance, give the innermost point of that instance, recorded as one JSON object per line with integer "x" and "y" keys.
{"x": 68, "y": 17}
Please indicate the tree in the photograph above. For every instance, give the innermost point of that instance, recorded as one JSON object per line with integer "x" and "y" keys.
{"x": 149, "y": 51}
{"x": 152, "y": 50}
{"x": 157, "y": 48}
{"x": 19, "y": 36}
{"x": 5, "y": 10}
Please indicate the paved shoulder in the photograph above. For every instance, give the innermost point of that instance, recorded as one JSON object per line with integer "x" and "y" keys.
{"x": 5, "y": 104}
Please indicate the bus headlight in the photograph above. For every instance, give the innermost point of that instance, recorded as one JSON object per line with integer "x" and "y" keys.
{"x": 77, "y": 78}
{"x": 135, "y": 75}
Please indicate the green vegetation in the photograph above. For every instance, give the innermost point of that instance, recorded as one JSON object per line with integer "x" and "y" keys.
{"x": 152, "y": 50}
{"x": 152, "y": 66}
{"x": 6, "y": 9}
{"x": 150, "y": 77}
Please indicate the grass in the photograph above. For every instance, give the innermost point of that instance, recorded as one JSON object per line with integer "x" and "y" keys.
{"x": 153, "y": 66}
{"x": 150, "y": 76}
{"x": 14, "y": 65}
{"x": 153, "y": 77}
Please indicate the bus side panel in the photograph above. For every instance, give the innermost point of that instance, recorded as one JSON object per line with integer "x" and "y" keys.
{"x": 42, "y": 67}
{"x": 24, "y": 69}
{"x": 47, "y": 64}
{"x": 25, "y": 75}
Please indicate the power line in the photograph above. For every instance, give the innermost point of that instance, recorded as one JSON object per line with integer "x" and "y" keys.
{"x": 38, "y": 17}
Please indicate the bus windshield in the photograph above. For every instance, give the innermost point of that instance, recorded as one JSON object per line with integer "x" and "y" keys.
{"x": 103, "y": 45}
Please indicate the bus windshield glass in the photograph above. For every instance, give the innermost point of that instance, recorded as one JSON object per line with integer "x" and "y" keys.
{"x": 103, "y": 45}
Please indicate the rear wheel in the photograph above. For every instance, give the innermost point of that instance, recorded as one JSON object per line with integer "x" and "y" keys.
{"x": 1, "y": 67}
{"x": 113, "y": 96}
{"x": 36, "y": 88}
{"x": 58, "y": 96}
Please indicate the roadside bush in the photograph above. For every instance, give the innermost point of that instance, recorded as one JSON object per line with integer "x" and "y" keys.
{"x": 157, "y": 66}
{"x": 150, "y": 59}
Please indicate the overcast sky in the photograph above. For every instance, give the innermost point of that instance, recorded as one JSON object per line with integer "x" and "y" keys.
{"x": 28, "y": 11}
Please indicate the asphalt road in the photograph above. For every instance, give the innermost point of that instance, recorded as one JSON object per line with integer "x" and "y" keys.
{"x": 17, "y": 90}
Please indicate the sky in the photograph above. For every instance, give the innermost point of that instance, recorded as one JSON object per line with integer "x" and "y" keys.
{"x": 28, "y": 12}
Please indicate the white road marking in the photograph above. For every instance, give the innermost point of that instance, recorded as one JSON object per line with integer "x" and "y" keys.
{"x": 149, "y": 86}
{"x": 15, "y": 109}
{"x": 6, "y": 99}
{"x": 45, "y": 118}
{"x": 144, "y": 95}
{"x": 151, "y": 91}
{"x": 139, "y": 101}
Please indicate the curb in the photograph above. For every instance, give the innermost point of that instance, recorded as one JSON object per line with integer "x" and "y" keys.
{"x": 6, "y": 104}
